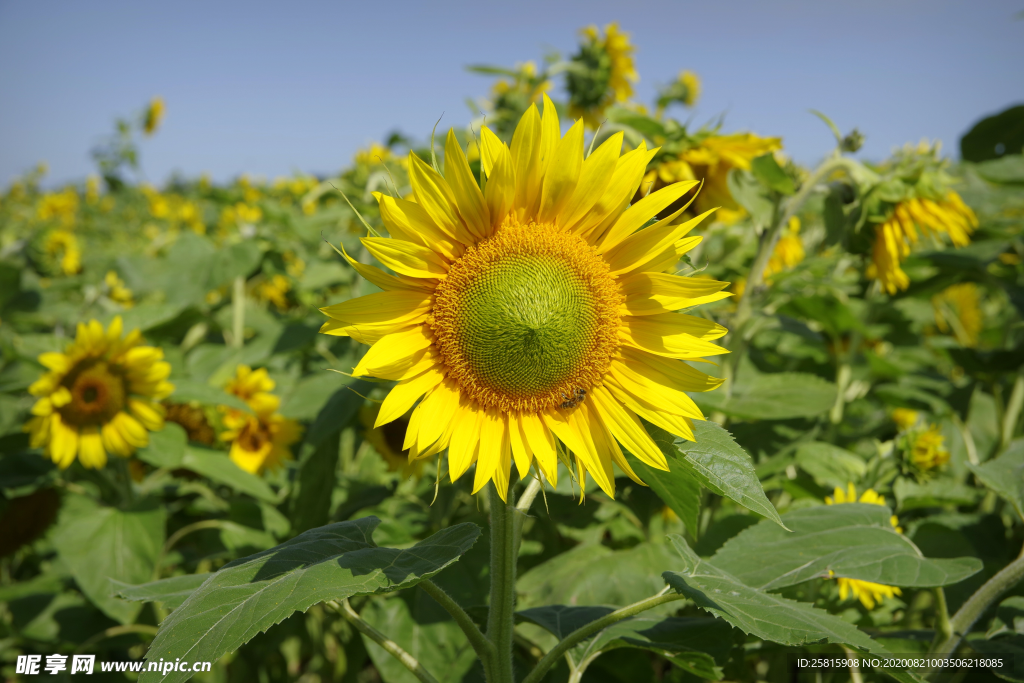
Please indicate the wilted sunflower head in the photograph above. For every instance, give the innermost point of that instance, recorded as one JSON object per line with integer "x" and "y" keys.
{"x": 532, "y": 307}
{"x": 99, "y": 396}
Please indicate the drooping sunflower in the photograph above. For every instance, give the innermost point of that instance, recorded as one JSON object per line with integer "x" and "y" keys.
{"x": 601, "y": 74}
{"x": 927, "y": 451}
{"x": 895, "y": 236}
{"x": 534, "y": 309}
{"x": 100, "y": 396}
{"x": 868, "y": 592}
{"x": 788, "y": 252}
{"x": 260, "y": 440}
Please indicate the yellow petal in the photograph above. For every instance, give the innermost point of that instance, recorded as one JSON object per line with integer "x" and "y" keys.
{"x": 641, "y": 212}
{"x": 541, "y": 444}
{"x": 525, "y": 161}
{"x": 605, "y": 442}
{"x": 407, "y": 258}
{"x": 574, "y": 432}
{"x": 405, "y": 394}
{"x": 91, "y": 453}
{"x": 595, "y": 174}
{"x": 653, "y": 293}
{"x": 393, "y": 353}
{"x": 131, "y": 430}
{"x": 634, "y": 252}
{"x": 63, "y": 443}
{"x": 437, "y": 199}
{"x": 683, "y": 376}
{"x": 550, "y": 133}
{"x": 114, "y": 442}
{"x": 629, "y": 172}
{"x": 500, "y": 192}
{"x": 409, "y": 221}
{"x": 627, "y": 429}
{"x": 562, "y": 173}
{"x": 465, "y": 441}
{"x": 490, "y": 149}
{"x": 468, "y": 197}
{"x": 149, "y": 414}
{"x": 671, "y": 423}
{"x": 599, "y": 463}
{"x": 652, "y": 389}
{"x": 435, "y": 413}
{"x": 399, "y": 306}
{"x": 520, "y": 448}
{"x": 669, "y": 341}
{"x": 58, "y": 362}
{"x": 494, "y": 442}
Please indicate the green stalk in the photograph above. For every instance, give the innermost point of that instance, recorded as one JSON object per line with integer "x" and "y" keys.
{"x": 500, "y": 617}
{"x": 389, "y": 646}
{"x": 238, "y": 312}
{"x": 1012, "y": 412}
{"x": 484, "y": 648}
{"x": 965, "y": 618}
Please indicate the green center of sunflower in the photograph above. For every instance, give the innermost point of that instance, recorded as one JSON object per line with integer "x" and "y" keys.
{"x": 97, "y": 394}
{"x": 527, "y": 319}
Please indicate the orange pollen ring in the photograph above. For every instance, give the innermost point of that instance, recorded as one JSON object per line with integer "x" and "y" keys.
{"x": 527, "y": 319}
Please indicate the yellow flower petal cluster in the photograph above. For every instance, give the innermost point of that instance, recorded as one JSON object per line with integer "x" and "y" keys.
{"x": 894, "y": 237}
{"x": 117, "y": 291}
{"x": 958, "y": 310}
{"x": 926, "y": 451}
{"x": 59, "y": 206}
{"x": 711, "y": 160}
{"x": 905, "y": 418}
{"x": 867, "y": 592}
{"x": 275, "y": 290}
{"x": 374, "y": 154}
{"x": 99, "y": 396}
{"x": 260, "y": 440}
{"x": 63, "y": 246}
{"x": 788, "y": 252}
{"x": 604, "y": 73}
{"x": 533, "y": 317}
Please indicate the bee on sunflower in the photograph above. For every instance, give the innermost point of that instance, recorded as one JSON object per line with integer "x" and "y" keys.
{"x": 260, "y": 440}
{"x": 100, "y": 396}
{"x": 537, "y": 291}
{"x": 867, "y": 592}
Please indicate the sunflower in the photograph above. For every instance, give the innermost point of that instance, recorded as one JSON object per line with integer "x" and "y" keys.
{"x": 789, "y": 250}
{"x": 101, "y": 395}
{"x": 62, "y": 245}
{"x": 154, "y": 115}
{"x": 926, "y": 450}
{"x": 905, "y": 418}
{"x": 533, "y": 309}
{"x": 867, "y": 592}
{"x": 117, "y": 291}
{"x": 684, "y": 90}
{"x": 260, "y": 440}
{"x": 601, "y": 74}
{"x": 895, "y": 235}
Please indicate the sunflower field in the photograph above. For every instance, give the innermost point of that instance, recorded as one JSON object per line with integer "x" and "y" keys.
{"x": 580, "y": 392}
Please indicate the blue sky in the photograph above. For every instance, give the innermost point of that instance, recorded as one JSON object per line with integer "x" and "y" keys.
{"x": 268, "y": 88}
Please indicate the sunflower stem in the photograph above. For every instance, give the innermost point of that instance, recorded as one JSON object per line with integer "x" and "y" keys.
{"x": 500, "y": 617}
{"x": 238, "y": 312}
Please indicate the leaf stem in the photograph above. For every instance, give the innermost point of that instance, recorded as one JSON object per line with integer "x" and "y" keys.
{"x": 389, "y": 646}
{"x": 238, "y": 312}
{"x": 500, "y": 617}
{"x": 943, "y": 629}
{"x": 584, "y": 632}
{"x": 1012, "y": 412}
{"x": 483, "y": 647}
{"x": 976, "y": 605}
{"x": 178, "y": 535}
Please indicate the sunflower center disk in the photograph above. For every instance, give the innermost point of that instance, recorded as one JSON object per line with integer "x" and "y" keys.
{"x": 527, "y": 318}
{"x": 97, "y": 394}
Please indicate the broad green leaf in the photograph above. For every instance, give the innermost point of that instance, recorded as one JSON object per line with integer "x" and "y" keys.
{"x": 1009, "y": 617}
{"x": 679, "y": 489}
{"x": 994, "y": 136}
{"x": 561, "y": 620}
{"x": 171, "y": 592}
{"x": 147, "y": 316}
{"x": 44, "y": 583}
{"x": 440, "y": 646}
{"x": 911, "y": 495}
{"x": 764, "y": 615}
{"x": 339, "y": 410}
{"x": 768, "y": 171}
{"x": 333, "y": 562}
{"x": 318, "y": 474}
{"x": 855, "y": 540}
{"x": 100, "y": 544}
{"x": 310, "y": 394}
{"x": 219, "y": 467}
{"x": 166, "y": 447}
{"x": 1005, "y": 475}
{"x": 191, "y": 390}
{"x": 751, "y": 195}
{"x": 23, "y": 473}
{"x": 719, "y": 464}
{"x": 232, "y": 261}
{"x": 595, "y": 575}
{"x": 1012, "y": 649}
{"x": 776, "y": 396}
{"x": 830, "y": 466}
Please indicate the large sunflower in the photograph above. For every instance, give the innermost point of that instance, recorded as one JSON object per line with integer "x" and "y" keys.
{"x": 100, "y": 396}
{"x": 534, "y": 309}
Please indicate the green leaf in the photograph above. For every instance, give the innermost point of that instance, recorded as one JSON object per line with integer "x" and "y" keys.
{"x": 1005, "y": 475}
{"x": 911, "y": 495}
{"x": 829, "y": 465}
{"x": 339, "y": 410}
{"x": 217, "y": 466}
{"x": 147, "y": 316}
{"x": 100, "y": 544}
{"x": 768, "y": 171}
{"x": 775, "y": 396}
{"x": 679, "y": 488}
{"x": 333, "y": 562}
{"x": 1007, "y": 170}
{"x": 1013, "y": 665}
{"x": 440, "y": 646}
{"x": 855, "y": 540}
{"x": 166, "y": 447}
{"x": 719, "y": 464}
{"x": 171, "y": 592}
{"x": 764, "y": 615}
{"x": 236, "y": 260}
{"x": 318, "y": 475}
{"x": 994, "y": 136}
{"x": 189, "y": 390}
{"x": 751, "y": 195}
{"x": 23, "y": 473}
